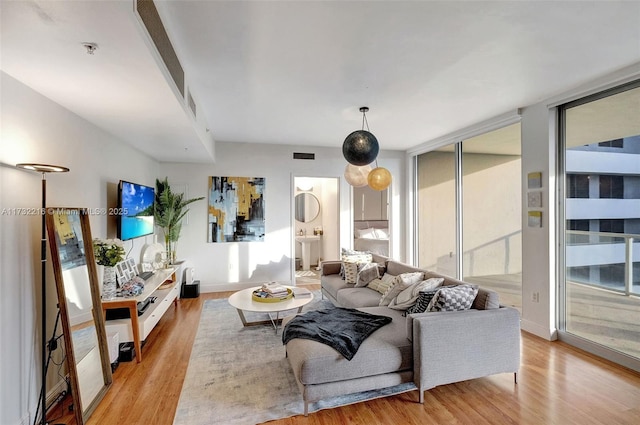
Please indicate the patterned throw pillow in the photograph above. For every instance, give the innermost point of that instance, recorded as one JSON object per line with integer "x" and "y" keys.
{"x": 357, "y": 258}
{"x": 401, "y": 282}
{"x": 350, "y": 272}
{"x": 453, "y": 298}
{"x": 351, "y": 256}
{"x": 366, "y": 273}
{"x": 424, "y": 298}
{"x": 408, "y": 297}
{"x": 381, "y": 285}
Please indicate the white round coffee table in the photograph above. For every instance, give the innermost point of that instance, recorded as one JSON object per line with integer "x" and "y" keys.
{"x": 242, "y": 301}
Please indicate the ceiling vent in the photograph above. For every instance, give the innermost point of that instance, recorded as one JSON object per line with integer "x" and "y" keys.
{"x": 151, "y": 21}
{"x": 302, "y": 155}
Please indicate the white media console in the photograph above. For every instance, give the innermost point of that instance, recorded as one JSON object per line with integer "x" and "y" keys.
{"x": 165, "y": 286}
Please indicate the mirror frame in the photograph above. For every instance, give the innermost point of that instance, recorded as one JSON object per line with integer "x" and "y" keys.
{"x": 82, "y": 412}
{"x": 302, "y": 195}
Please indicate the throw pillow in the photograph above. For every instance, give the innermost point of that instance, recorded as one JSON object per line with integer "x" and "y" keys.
{"x": 381, "y": 285}
{"x": 382, "y": 233}
{"x": 400, "y": 283}
{"x": 408, "y": 297}
{"x": 455, "y": 298}
{"x": 366, "y": 233}
{"x": 357, "y": 258}
{"x": 350, "y": 272}
{"x": 424, "y": 298}
{"x": 366, "y": 273}
{"x": 351, "y": 256}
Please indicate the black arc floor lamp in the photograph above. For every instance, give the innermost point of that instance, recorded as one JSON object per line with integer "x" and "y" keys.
{"x": 44, "y": 169}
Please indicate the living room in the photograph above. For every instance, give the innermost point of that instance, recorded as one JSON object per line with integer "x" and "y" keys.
{"x": 36, "y": 128}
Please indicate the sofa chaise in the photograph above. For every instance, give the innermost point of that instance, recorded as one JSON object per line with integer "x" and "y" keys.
{"x": 428, "y": 349}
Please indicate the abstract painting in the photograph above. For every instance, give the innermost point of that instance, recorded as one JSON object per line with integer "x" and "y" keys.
{"x": 69, "y": 239}
{"x": 236, "y": 209}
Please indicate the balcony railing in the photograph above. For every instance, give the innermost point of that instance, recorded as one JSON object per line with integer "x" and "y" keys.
{"x": 613, "y": 254}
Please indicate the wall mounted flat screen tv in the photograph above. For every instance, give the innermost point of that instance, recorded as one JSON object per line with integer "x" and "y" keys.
{"x": 135, "y": 204}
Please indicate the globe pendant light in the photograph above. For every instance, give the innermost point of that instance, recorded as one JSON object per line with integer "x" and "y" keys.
{"x": 361, "y": 147}
{"x": 379, "y": 178}
{"x": 357, "y": 176}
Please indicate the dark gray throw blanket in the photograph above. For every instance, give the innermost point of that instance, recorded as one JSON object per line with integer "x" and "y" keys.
{"x": 341, "y": 328}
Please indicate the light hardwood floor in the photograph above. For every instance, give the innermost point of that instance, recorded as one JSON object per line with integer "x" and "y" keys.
{"x": 556, "y": 385}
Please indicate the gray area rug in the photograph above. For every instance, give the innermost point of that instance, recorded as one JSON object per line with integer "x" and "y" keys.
{"x": 239, "y": 375}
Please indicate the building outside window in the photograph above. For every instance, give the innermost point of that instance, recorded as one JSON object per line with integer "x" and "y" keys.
{"x": 599, "y": 291}
{"x": 611, "y": 187}
{"x": 616, "y": 143}
{"x": 577, "y": 186}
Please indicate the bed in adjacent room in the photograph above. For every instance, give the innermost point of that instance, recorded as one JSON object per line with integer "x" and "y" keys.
{"x": 372, "y": 236}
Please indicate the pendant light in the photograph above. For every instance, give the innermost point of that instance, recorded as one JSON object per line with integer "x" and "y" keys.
{"x": 361, "y": 147}
{"x": 379, "y": 178}
{"x": 357, "y": 176}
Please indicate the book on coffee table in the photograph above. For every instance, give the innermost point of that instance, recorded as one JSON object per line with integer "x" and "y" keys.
{"x": 301, "y": 292}
{"x": 274, "y": 290}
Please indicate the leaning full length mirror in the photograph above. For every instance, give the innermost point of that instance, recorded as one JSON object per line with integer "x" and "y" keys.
{"x": 80, "y": 309}
{"x": 307, "y": 207}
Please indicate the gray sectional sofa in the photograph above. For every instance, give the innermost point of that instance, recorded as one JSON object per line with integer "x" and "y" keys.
{"x": 428, "y": 349}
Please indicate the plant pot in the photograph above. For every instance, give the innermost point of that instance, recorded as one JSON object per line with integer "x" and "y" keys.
{"x": 109, "y": 283}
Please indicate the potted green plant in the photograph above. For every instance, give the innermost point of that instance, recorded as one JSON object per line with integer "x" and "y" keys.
{"x": 108, "y": 253}
{"x": 170, "y": 209}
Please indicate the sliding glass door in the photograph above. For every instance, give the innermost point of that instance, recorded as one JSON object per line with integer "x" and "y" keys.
{"x": 468, "y": 212}
{"x": 436, "y": 211}
{"x": 600, "y": 285}
{"x": 492, "y": 219}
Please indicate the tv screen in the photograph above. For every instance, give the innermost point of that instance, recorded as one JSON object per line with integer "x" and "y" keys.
{"x": 135, "y": 203}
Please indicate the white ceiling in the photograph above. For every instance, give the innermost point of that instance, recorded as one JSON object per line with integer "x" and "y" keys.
{"x": 296, "y": 72}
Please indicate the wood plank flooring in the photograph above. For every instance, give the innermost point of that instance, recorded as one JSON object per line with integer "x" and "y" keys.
{"x": 557, "y": 384}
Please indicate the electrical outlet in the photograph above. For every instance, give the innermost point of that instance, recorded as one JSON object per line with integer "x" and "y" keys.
{"x": 535, "y": 297}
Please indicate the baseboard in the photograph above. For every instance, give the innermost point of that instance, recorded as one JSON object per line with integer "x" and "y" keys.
{"x": 233, "y": 286}
{"x": 538, "y": 330}
{"x": 49, "y": 398}
{"x": 57, "y": 389}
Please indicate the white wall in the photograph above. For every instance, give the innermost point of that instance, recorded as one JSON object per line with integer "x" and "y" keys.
{"x": 229, "y": 266}
{"x": 330, "y": 205}
{"x": 538, "y": 254}
{"x": 34, "y": 129}
{"x": 539, "y": 152}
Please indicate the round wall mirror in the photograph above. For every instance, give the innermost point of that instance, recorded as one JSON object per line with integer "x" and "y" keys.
{"x": 307, "y": 207}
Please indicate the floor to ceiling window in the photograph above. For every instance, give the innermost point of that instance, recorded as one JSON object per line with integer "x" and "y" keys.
{"x": 599, "y": 292}
{"x": 492, "y": 219}
{"x": 436, "y": 211}
{"x": 468, "y": 212}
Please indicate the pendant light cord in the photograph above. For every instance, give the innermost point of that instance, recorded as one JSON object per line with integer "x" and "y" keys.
{"x": 364, "y": 120}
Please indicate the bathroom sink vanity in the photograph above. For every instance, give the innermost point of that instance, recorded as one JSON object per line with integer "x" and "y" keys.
{"x": 305, "y": 242}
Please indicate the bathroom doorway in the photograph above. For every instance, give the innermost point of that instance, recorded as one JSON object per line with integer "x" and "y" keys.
{"x": 315, "y": 224}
